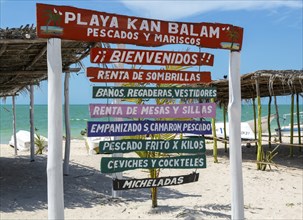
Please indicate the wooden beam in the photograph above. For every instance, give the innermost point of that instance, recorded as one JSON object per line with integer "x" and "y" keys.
{"x": 39, "y": 55}
{"x": 29, "y": 41}
{"x": 24, "y": 82}
{"x": 11, "y": 79}
{"x": 36, "y": 72}
{"x": 11, "y": 86}
{"x": 11, "y": 92}
{"x": 23, "y": 72}
{"x": 87, "y": 52}
{"x": 3, "y": 48}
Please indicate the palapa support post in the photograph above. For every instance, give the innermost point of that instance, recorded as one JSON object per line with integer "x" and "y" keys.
{"x": 291, "y": 149}
{"x": 67, "y": 124}
{"x": 54, "y": 160}
{"x": 255, "y": 123}
{"x": 32, "y": 127}
{"x": 278, "y": 119}
{"x": 259, "y": 140}
{"x": 14, "y": 125}
{"x": 224, "y": 121}
{"x": 268, "y": 122}
{"x": 298, "y": 122}
{"x": 215, "y": 145}
{"x": 234, "y": 115}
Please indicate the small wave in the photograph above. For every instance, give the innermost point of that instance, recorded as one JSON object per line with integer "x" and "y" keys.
{"x": 6, "y": 109}
{"x": 79, "y": 119}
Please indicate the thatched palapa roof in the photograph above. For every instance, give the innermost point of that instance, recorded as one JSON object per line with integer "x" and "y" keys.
{"x": 23, "y": 58}
{"x": 270, "y": 83}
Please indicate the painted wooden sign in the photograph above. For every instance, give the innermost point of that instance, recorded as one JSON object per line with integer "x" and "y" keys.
{"x": 158, "y": 182}
{"x": 96, "y": 74}
{"x": 128, "y": 128}
{"x": 196, "y": 110}
{"x": 163, "y": 92}
{"x": 120, "y": 164}
{"x": 191, "y": 145}
{"x": 72, "y": 23}
{"x": 150, "y": 57}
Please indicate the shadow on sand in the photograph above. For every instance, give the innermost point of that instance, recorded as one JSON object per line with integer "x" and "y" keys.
{"x": 23, "y": 186}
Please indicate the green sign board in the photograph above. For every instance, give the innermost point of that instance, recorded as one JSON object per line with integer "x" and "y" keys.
{"x": 163, "y": 92}
{"x": 192, "y": 145}
{"x": 120, "y": 164}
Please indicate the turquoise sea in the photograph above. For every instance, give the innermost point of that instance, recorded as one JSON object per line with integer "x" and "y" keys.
{"x": 79, "y": 115}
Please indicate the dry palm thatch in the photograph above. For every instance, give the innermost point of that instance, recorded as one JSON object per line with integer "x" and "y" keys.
{"x": 23, "y": 58}
{"x": 270, "y": 82}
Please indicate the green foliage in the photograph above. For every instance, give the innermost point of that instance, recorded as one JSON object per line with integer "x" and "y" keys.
{"x": 155, "y": 172}
{"x": 53, "y": 16}
{"x": 83, "y": 132}
{"x": 267, "y": 159}
{"x": 39, "y": 142}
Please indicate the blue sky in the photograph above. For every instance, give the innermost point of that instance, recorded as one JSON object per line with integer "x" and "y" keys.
{"x": 272, "y": 33}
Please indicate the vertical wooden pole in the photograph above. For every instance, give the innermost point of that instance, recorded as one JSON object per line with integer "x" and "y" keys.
{"x": 67, "y": 125}
{"x": 14, "y": 125}
{"x": 260, "y": 150}
{"x": 215, "y": 145}
{"x": 154, "y": 190}
{"x": 32, "y": 127}
{"x": 234, "y": 115}
{"x": 268, "y": 122}
{"x": 119, "y": 175}
{"x": 278, "y": 119}
{"x": 291, "y": 149}
{"x": 298, "y": 121}
{"x": 224, "y": 123}
{"x": 54, "y": 159}
{"x": 255, "y": 122}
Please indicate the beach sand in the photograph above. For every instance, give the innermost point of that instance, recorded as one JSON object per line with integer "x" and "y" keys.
{"x": 270, "y": 194}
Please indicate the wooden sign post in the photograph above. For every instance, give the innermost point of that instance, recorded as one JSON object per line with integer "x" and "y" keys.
{"x": 234, "y": 115}
{"x": 86, "y": 25}
{"x": 55, "y": 197}
{"x": 119, "y": 175}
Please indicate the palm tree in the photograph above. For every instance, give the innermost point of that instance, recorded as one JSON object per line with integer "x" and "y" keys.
{"x": 53, "y": 16}
{"x": 233, "y": 35}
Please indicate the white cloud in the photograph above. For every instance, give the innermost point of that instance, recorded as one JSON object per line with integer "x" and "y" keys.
{"x": 169, "y": 9}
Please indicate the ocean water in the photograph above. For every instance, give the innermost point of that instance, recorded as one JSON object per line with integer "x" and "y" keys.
{"x": 79, "y": 115}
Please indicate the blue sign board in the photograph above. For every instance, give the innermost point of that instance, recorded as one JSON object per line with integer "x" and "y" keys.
{"x": 128, "y": 128}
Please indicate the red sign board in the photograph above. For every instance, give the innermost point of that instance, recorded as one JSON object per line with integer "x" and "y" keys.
{"x": 150, "y": 57}
{"x": 96, "y": 74}
{"x": 87, "y": 25}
